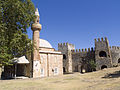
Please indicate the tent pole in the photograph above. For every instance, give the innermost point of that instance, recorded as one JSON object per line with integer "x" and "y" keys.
{"x": 15, "y": 69}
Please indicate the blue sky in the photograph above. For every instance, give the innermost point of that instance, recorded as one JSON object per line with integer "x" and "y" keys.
{"x": 79, "y": 21}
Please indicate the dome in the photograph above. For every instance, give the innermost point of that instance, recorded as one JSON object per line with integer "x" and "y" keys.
{"x": 44, "y": 43}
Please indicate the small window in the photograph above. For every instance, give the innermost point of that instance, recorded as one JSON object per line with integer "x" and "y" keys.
{"x": 64, "y": 56}
{"x": 42, "y": 72}
{"x": 102, "y": 54}
{"x": 56, "y": 71}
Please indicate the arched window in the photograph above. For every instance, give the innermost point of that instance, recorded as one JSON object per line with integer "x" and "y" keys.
{"x": 119, "y": 60}
{"x": 103, "y": 66}
{"x": 64, "y": 56}
{"x": 102, "y": 54}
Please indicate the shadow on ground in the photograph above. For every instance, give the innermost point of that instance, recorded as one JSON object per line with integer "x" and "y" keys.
{"x": 68, "y": 73}
{"x": 112, "y": 75}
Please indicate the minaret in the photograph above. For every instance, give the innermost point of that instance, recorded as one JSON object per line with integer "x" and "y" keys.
{"x": 36, "y": 27}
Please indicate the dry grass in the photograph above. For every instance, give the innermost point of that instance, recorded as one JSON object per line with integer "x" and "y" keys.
{"x": 107, "y": 79}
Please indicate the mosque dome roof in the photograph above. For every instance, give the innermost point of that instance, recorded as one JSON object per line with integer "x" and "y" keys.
{"x": 44, "y": 43}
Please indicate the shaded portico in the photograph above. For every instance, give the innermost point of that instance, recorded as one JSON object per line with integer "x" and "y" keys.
{"x": 20, "y": 68}
{"x": 20, "y": 65}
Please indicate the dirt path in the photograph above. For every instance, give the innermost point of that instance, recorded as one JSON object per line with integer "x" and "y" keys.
{"x": 107, "y": 79}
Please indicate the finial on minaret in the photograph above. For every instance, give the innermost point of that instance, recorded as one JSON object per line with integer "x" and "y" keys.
{"x": 37, "y": 16}
{"x": 37, "y": 12}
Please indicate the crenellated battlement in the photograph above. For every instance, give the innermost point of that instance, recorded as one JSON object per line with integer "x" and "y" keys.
{"x": 65, "y": 44}
{"x": 115, "y": 48}
{"x": 101, "y": 39}
{"x": 83, "y": 50}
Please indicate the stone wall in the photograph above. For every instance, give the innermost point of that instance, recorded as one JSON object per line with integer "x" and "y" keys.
{"x": 81, "y": 59}
{"x": 115, "y": 51}
{"x": 36, "y": 68}
{"x": 50, "y": 64}
{"x": 44, "y": 66}
{"x": 55, "y": 62}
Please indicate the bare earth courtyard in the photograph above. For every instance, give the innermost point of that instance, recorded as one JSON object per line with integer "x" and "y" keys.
{"x": 107, "y": 79}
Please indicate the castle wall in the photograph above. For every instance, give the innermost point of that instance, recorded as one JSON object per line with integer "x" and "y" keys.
{"x": 115, "y": 52}
{"x": 81, "y": 59}
{"x": 102, "y": 55}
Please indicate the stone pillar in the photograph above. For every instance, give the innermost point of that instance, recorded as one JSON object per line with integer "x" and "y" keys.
{"x": 36, "y": 27}
{"x": 69, "y": 69}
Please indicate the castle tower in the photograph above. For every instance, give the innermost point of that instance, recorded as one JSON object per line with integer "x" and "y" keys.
{"x": 102, "y": 54}
{"x": 66, "y": 48}
{"x": 36, "y": 27}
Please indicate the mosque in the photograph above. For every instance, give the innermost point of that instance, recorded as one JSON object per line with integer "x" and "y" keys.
{"x": 46, "y": 60}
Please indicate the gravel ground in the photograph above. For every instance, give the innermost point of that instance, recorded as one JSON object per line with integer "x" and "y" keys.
{"x": 107, "y": 79}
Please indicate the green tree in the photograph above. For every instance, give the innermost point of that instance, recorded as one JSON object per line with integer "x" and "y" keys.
{"x": 15, "y": 17}
{"x": 92, "y": 65}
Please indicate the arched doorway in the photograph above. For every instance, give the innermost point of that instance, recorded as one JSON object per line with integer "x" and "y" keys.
{"x": 102, "y": 54}
{"x": 119, "y": 60}
{"x": 64, "y": 69}
{"x": 103, "y": 66}
{"x": 64, "y": 56}
{"x": 83, "y": 69}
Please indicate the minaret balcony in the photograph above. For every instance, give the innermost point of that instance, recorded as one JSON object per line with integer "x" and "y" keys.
{"x": 36, "y": 26}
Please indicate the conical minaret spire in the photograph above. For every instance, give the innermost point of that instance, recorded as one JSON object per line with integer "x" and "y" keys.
{"x": 37, "y": 19}
{"x": 37, "y": 12}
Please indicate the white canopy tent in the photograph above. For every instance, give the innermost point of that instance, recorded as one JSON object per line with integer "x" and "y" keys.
{"x": 21, "y": 60}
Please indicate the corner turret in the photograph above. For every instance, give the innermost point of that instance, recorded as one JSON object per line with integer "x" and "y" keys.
{"x": 66, "y": 50}
{"x": 102, "y": 53}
